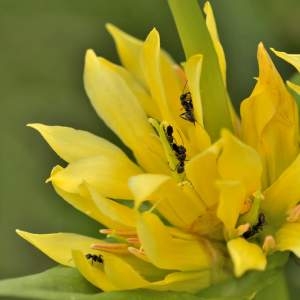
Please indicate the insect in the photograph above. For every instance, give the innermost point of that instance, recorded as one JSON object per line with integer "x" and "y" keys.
{"x": 95, "y": 258}
{"x": 187, "y": 104}
{"x": 179, "y": 150}
{"x": 256, "y": 228}
{"x": 169, "y": 134}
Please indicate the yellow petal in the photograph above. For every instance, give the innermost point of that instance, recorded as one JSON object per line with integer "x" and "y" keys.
{"x": 246, "y": 256}
{"x": 239, "y": 162}
{"x": 232, "y": 196}
{"x": 212, "y": 29}
{"x": 109, "y": 177}
{"x": 167, "y": 252}
{"x": 94, "y": 274}
{"x": 293, "y": 59}
{"x": 193, "y": 68}
{"x": 288, "y": 238}
{"x": 122, "y": 274}
{"x": 283, "y": 194}
{"x": 59, "y": 246}
{"x": 118, "y": 213}
{"x": 139, "y": 91}
{"x": 178, "y": 207}
{"x": 84, "y": 203}
{"x": 202, "y": 171}
{"x": 294, "y": 87}
{"x": 107, "y": 91}
{"x": 270, "y": 120}
{"x": 71, "y": 144}
{"x": 152, "y": 71}
{"x": 129, "y": 50}
{"x": 190, "y": 282}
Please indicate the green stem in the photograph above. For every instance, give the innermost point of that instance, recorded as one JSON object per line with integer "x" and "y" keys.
{"x": 195, "y": 39}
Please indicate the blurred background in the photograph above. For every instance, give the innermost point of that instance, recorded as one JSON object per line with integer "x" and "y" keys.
{"x": 41, "y": 58}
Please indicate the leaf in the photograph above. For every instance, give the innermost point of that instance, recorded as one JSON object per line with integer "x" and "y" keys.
{"x": 65, "y": 283}
{"x": 56, "y": 283}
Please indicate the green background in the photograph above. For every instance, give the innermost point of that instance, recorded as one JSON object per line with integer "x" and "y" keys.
{"x": 42, "y": 46}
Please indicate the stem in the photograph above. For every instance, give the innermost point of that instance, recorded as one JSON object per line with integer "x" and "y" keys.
{"x": 195, "y": 39}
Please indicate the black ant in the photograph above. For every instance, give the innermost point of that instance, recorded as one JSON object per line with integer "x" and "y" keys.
{"x": 95, "y": 258}
{"x": 255, "y": 228}
{"x": 180, "y": 151}
{"x": 187, "y": 104}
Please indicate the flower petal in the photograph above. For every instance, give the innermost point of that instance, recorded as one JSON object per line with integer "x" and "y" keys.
{"x": 293, "y": 59}
{"x": 129, "y": 50}
{"x": 139, "y": 91}
{"x": 239, "y": 162}
{"x": 167, "y": 252}
{"x": 270, "y": 120}
{"x": 193, "y": 68}
{"x": 84, "y": 203}
{"x": 108, "y": 176}
{"x": 288, "y": 238}
{"x": 93, "y": 274}
{"x": 152, "y": 71}
{"x": 232, "y": 196}
{"x": 108, "y": 91}
{"x": 122, "y": 274}
{"x": 202, "y": 171}
{"x": 283, "y": 194}
{"x": 118, "y": 213}
{"x": 71, "y": 144}
{"x": 178, "y": 207}
{"x": 59, "y": 246}
{"x": 246, "y": 256}
{"x": 190, "y": 282}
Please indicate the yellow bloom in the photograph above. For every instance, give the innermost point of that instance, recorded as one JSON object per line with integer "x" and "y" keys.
{"x": 178, "y": 216}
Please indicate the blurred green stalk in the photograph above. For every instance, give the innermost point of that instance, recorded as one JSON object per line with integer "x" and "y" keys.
{"x": 195, "y": 39}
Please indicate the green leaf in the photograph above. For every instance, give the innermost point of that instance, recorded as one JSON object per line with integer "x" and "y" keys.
{"x": 68, "y": 284}
{"x": 251, "y": 283}
{"x": 56, "y": 283}
{"x": 195, "y": 39}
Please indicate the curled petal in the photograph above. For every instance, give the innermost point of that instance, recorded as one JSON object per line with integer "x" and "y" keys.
{"x": 108, "y": 176}
{"x": 246, "y": 256}
{"x": 95, "y": 275}
{"x": 84, "y": 203}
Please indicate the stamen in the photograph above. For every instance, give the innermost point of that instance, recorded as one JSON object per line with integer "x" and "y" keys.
{"x": 138, "y": 253}
{"x": 120, "y": 232}
{"x": 111, "y": 247}
{"x": 269, "y": 244}
{"x": 133, "y": 240}
{"x": 243, "y": 228}
{"x": 294, "y": 214}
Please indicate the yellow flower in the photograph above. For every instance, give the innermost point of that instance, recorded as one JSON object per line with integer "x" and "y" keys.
{"x": 185, "y": 209}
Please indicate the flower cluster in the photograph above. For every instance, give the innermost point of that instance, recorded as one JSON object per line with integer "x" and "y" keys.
{"x": 190, "y": 210}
